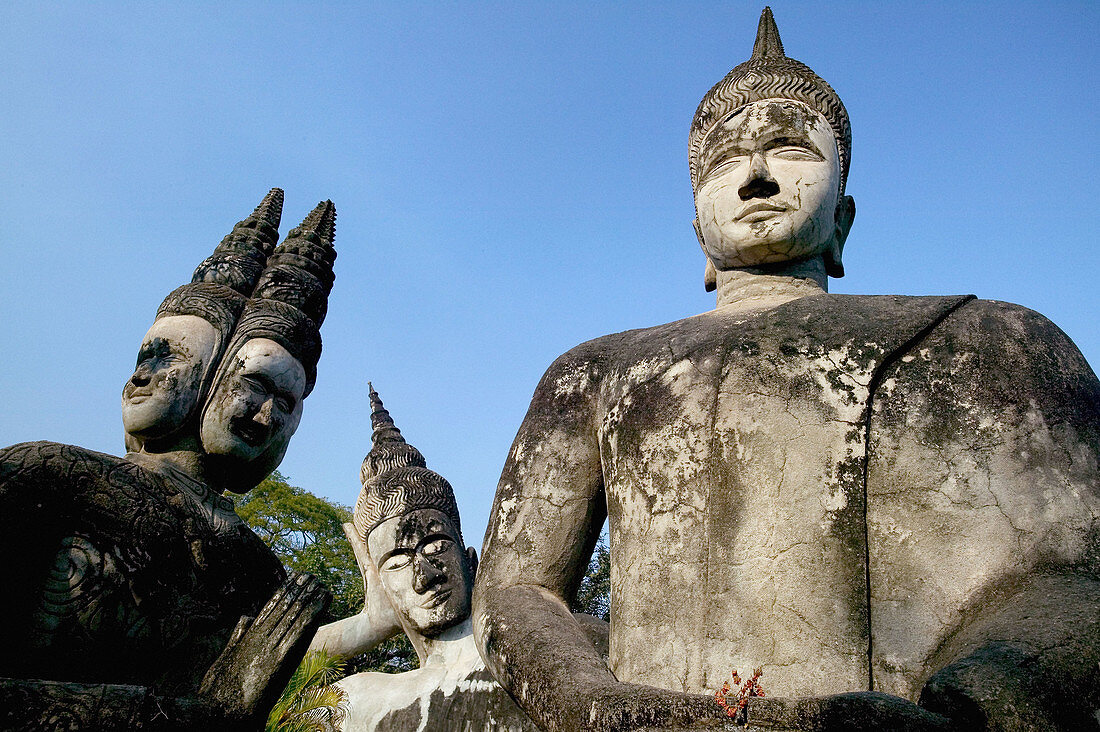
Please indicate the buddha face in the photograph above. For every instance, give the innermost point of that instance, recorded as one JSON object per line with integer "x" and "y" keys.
{"x": 164, "y": 389}
{"x": 769, "y": 187}
{"x": 256, "y": 407}
{"x": 425, "y": 572}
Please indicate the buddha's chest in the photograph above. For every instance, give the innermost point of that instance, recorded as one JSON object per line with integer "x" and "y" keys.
{"x": 734, "y": 479}
{"x": 734, "y": 471}
{"x": 746, "y": 445}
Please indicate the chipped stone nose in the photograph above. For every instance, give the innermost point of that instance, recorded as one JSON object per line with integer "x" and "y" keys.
{"x": 425, "y": 575}
{"x": 758, "y": 182}
{"x": 141, "y": 376}
{"x": 263, "y": 414}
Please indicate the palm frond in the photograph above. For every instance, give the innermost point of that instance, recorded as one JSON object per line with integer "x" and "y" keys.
{"x": 310, "y": 702}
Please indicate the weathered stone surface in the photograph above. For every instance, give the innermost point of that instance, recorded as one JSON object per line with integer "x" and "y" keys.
{"x": 134, "y": 587}
{"x": 407, "y": 540}
{"x": 878, "y": 500}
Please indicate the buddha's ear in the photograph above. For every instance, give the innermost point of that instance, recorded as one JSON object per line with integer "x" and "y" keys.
{"x": 710, "y": 274}
{"x": 844, "y": 217}
{"x": 471, "y": 559}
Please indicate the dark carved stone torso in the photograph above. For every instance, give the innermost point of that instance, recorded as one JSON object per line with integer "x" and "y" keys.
{"x": 122, "y": 574}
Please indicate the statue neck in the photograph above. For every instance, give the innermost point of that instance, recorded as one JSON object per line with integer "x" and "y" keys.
{"x": 447, "y": 648}
{"x": 772, "y": 285}
{"x": 189, "y": 464}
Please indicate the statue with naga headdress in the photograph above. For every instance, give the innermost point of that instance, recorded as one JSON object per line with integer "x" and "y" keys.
{"x": 136, "y": 597}
{"x": 888, "y": 504}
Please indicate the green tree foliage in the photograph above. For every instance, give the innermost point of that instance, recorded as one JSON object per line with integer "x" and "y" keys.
{"x": 310, "y": 702}
{"x": 594, "y": 595}
{"x": 392, "y": 657}
{"x": 306, "y": 533}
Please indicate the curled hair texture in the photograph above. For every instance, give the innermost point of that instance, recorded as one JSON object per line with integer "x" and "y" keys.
{"x": 396, "y": 479}
{"x": 401, "y": 491}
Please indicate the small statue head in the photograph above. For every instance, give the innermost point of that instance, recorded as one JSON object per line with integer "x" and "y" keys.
{"x": 179, "y": 354}
{"x": 408, "y": 518}
{"x": 270, "y": 364}
{"x": 769, "y": 151}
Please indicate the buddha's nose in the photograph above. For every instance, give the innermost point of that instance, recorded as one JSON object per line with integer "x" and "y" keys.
{"x": 141, "y": 376}
{"x": 758, "y": 181}
{"x": 263, "y": 414}
{"x": 425, "y": 575}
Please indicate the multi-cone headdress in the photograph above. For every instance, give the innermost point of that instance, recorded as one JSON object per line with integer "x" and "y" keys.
{"x": 240, "y": 257}
{"x": 290, "y": 299}
{"x": 769, "y": 74}
{"x": 395, "y": 478}
{"x": 220, "y": 285}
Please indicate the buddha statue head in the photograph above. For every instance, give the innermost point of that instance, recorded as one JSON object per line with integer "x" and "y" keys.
{"x": 180, "y": 352}
{"x": 270, "y": 363}
{"x": 407, "y": 516}
{"x": 769, "y": 152}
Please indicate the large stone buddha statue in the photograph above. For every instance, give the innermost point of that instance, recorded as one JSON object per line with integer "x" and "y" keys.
{"x": 889, "y": 504}
{"x": 136, "y": 597}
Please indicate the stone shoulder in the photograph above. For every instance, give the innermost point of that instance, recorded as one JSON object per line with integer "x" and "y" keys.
{"x": 590, "y": 360}
{"x": 998, "y": 356}
{"x": 1002, "y": 336}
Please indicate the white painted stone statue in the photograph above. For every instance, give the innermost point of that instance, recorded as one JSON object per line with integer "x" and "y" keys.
{"x": 889, "y": 504}
{"x": 418, "y": 579}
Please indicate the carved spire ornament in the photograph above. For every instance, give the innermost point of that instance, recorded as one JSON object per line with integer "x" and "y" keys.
{"x": 299, "y": 272}
{"x": 768, "y": 44}
{"x": 769, "y": 74}
{"x": 239, "y": 259}
{"x": 395, "y": 477}
{"x": 291, "y": 298}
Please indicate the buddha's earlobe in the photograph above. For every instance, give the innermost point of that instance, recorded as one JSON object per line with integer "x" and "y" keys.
{"x": 710, "y": 274}
{"x": 844, "y": 217}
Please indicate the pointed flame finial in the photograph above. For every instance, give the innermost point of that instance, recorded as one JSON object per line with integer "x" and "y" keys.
{"x": 384, "y": 428}
{"x": 767, "y": 43}
{"x": 322, "y": 219}
{"x": 270, "y": 209}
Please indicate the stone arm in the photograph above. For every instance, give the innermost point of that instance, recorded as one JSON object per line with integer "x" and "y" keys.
{"x": 985, "y": 446}
{"x": 375, "y": 624}
{"x": 548, "y": 510}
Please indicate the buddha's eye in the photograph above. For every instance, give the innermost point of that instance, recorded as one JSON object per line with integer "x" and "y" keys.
{"x": 396, "y": 562}
{"x": 723, "y": 163}
{"x": 795, "y": 153}
{"x": 437, "y": 546}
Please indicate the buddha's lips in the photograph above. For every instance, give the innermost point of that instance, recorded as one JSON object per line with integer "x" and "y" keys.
{"x": 248, "y": 430}
{"x": 759, "y": 207}
{"x": 437, "y": 598}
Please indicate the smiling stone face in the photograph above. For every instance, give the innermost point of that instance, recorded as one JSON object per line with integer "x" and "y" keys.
{"x": 256, "y": 407}
{"x": 164, "y": 389}
{"x": 768, "y": 187}
{"x": 424, "y": 570}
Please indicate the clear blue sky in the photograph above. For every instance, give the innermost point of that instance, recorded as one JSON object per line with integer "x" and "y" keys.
{"x": 511, "y": 179}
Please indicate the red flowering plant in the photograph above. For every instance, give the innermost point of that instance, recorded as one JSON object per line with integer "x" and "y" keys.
{"x": 734, "y": 697}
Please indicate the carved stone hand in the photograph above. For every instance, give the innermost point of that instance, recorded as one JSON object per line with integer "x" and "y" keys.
{"x": 263, "y": 652}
